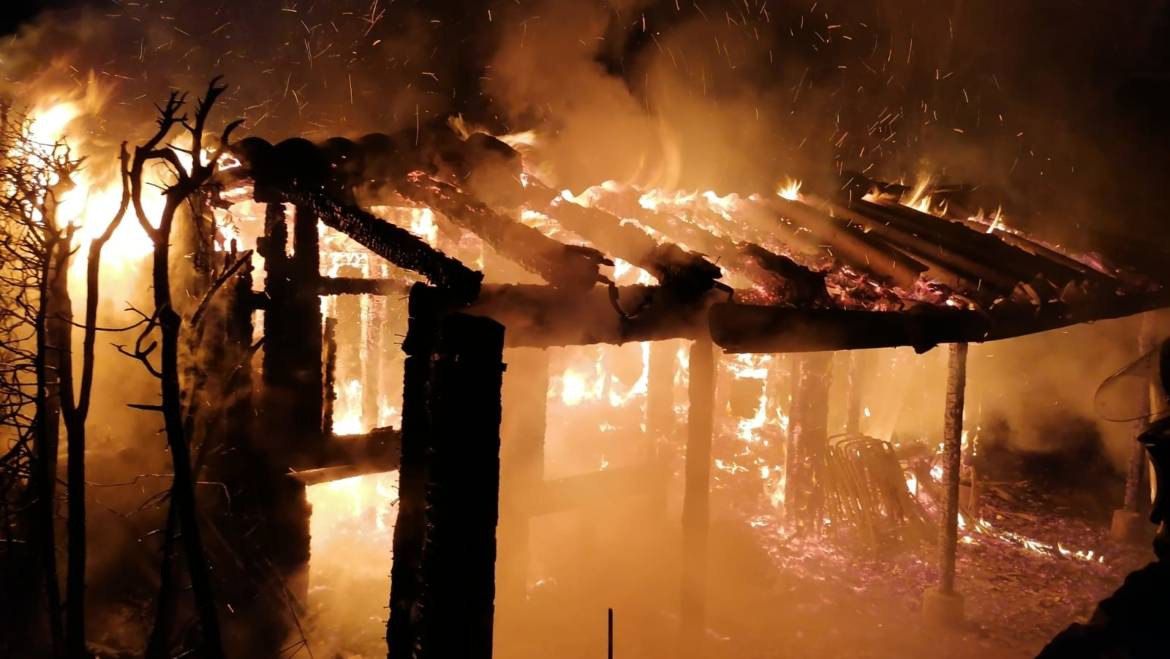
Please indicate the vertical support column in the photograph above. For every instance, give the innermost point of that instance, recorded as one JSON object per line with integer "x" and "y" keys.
{"x": 944, "y": 604}
{"x": 305, "y": 325}
{"x": 808, "y": 434}
{"x": 857, "y": 361}
{"x": 459, "y": 560}
{"x": 1128, "y": 522}
{"x": 423, "y": 312}
{"x": 695, "y": 513}
{"x": 660, "y": 415}
{"x": 522, "y": 431}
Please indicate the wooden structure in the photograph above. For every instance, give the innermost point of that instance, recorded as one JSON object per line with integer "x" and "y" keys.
{"x": 838, "y": 273}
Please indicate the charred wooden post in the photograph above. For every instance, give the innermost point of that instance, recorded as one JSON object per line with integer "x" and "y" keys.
{"x": 695, "y": 513}
{"x": 522, "y": 434}
{"x": 290, "y": 418}
{"x": 1129, "y": 524}
{"x": 944, "y": 604}
{"x": 459, "y": 559}
{"x": 807, "y": 441}
{"x": 424, "y": 310}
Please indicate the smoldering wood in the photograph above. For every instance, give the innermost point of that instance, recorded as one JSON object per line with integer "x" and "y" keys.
{"x": 459, "y": 558}
{"x": 563, "y": 266}
{"x": 952, "y": 456}
{"x": 696, "y": 495}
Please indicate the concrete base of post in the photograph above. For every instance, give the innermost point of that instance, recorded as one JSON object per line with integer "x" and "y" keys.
{"x": 945, "y": 608}
{"x": 1129, "y": 526}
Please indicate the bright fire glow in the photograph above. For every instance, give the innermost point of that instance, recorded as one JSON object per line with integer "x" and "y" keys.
{"x": 790, "y": 190}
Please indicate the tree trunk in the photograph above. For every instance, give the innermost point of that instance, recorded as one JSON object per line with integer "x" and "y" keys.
{"x": 183, "y": 489}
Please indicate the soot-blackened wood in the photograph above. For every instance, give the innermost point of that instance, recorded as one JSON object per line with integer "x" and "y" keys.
{"x": 522, "y": 432}
{"x": 952, "y": 455}
{"x": 459, "y": 559}
{"x": 696, "y": 495}
{"x": 807, "y": 442}
{"x": 424, "y": 310}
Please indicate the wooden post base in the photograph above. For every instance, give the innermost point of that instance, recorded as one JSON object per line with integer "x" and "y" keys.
{"x": 944, "y": 608}
{"x": 1131, "y": 527}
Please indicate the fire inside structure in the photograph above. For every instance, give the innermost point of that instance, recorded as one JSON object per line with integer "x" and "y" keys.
{"x": 420, "y": 397}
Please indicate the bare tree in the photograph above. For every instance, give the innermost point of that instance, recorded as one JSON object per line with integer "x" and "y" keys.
{"x": 75, "y": 409}
{"x": 164, "y": 328}
{"x": 36, "y": 252}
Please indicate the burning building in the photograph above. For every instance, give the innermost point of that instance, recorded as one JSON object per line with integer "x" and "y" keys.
{"x": 451, "y": 388}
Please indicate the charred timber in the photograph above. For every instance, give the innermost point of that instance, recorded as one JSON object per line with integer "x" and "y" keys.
{"x": 425, "y": 308}
{"x": 459, "y": 560}
{"x": 563, "y": 266}
{"x": 392, "y": 243}
{"x": 378, "y": 450}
